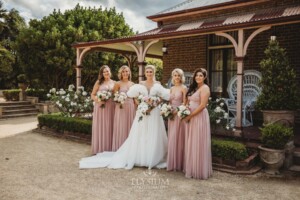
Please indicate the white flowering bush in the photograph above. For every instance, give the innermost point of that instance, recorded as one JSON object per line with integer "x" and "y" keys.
{"x": 71, "y": 103}
{"x": 217, "y": 114}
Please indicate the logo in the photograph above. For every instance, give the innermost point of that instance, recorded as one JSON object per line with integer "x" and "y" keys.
{"x": 150, "y": 180}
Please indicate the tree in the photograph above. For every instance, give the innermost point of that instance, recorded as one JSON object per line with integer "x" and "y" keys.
{"x": 10, "y": 25}
{"x": 279, "y": 85}
{"x": 45, "y": 47}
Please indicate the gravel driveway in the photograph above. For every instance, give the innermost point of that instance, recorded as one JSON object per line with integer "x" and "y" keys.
{"x": 35, "y": 166}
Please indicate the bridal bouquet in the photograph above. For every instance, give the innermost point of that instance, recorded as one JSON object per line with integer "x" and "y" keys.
{"x": 103, "y": 96}
{"x": 183, "y": 111}
{"x": 166, "y": 111}
{"x": 120, "y": 98}
{"x": 146, "y": 104}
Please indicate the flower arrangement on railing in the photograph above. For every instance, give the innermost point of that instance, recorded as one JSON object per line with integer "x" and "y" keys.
{"x": 217, "y": 114}
{"x": 71, "y": 103}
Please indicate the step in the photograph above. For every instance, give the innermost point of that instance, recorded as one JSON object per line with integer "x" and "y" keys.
{"x": 14, "y": 107}
{"x": 295, "y": 168}
{"x": 19, "y": 111}
{"x": 11, "y": 103}
{"x": 20, "y": 115}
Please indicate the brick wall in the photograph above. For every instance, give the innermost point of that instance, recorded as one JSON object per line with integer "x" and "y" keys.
{"x": 186, "y": 53}
{"x": 191, "y": 52}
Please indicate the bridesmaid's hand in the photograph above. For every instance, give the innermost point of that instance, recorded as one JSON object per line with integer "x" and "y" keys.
{"x": 187, "y": 119}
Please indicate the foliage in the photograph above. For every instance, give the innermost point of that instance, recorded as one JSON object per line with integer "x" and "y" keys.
{"x": 6, "y": 62}
{"x": 276, "y": 135}
{"x": 229, "y": 149}
{"x": 22, "y": 78}
{"x": 217, "y": 114}
{"x": 71, "y": 103}
{"x": 40, "y": 93}
{"x": 61, "y": 123}
{"x": 10, "y": 25}
{"x": 11, "y": 95}
{"x": 279, "y": 85}
{"x": 45, "y": 47}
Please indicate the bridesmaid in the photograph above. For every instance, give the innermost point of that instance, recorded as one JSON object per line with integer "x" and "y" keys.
{"x": 123, "y": 116}
{"x": 175, "y": 157}
{"x": 198, "y": 150}
{"x": 102, "y": 127}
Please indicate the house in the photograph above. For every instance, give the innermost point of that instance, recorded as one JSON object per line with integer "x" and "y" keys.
{"x": 224, "y": 36}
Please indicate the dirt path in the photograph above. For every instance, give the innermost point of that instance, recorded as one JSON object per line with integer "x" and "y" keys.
{"x": 35, "y": 166}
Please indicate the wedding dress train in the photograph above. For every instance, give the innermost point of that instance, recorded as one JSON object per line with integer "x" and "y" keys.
{"x": 147, "y": 142}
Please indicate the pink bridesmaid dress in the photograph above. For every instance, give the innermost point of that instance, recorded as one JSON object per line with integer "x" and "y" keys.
{"x": 123, "y": 120}
{"x": 198, "y": 151}
{"x": 102, "y": 128}
{"x": 176, "y": 127}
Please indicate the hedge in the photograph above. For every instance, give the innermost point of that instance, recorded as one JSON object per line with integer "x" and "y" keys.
{"x": 61, "y": 123}
{"x": 227, "y": 149}
{"x": 11, "y": 95}
{"x": 40, "y": 93}
{"x": 220, "y": 148}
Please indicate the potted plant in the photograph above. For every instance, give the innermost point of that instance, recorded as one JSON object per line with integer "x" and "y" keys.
{"x": 23, "y": 84}
{"x": 274, "y": 138}
{"x": 279, "y": 96}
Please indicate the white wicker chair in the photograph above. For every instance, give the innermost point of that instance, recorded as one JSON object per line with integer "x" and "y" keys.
{"x": 250, "y": 92}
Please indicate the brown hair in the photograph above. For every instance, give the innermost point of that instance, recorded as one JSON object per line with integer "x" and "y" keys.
{"x": 100, "y": 76}
{"x": 193, "y": 87}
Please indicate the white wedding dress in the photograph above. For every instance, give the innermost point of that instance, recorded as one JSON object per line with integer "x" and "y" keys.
{"x": 147, "y": 142}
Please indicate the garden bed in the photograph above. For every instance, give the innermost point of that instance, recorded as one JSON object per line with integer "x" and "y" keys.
{"x": 228, "y": 156}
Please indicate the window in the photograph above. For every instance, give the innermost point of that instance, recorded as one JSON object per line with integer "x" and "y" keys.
{"x": 222, "y": 66}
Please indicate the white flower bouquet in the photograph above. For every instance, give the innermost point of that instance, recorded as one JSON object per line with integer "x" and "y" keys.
{"x": 146, "y": 104}
{"x": 120, "y": 98}
{"x": 183, "y": 111}
{"x": 166, "y": 111}
{"x": 103, "y": 96}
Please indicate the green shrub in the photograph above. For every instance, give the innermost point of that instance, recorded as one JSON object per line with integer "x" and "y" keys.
{"x": 40, "y": 93}
{"x": 61, "y": 123}
{"x": 11, "y": 95}
{"x": 276, "y": 135}
{"x": 229, "y": 149}
{"x": 22, "y": 78}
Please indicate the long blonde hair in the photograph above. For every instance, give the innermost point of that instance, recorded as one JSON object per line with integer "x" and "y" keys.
{"x": 121, "y": 70}
{"x": 181, "y": 74}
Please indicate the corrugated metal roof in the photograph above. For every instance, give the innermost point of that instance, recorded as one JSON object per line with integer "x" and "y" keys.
{"x": 262, "y": 17}
{"x": 236, "y": 19}
{"x": 190, "y": 4}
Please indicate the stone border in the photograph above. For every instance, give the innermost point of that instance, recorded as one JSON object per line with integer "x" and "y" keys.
{"x": 78, "y": 137}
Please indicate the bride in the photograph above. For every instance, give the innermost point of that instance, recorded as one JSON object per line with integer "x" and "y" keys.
{"x": 147, "y": 142}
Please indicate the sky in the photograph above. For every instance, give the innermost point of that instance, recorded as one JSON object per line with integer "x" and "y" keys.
{"x": 134, "y": 11}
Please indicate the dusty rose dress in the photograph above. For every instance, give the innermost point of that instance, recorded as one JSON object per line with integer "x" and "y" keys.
{"x": 198, "y": 151}
{"x": 175, "y": 136}
{"x": 122, "y": 120}
{"x": 102, "y": 128}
